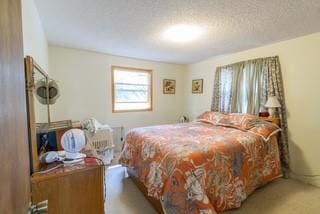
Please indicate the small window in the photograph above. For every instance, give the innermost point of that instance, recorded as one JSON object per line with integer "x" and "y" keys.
{"x": 131, "y": 89}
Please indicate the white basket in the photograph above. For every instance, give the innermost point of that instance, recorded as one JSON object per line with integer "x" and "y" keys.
{"x": 106, "y": 156}
{"x": 102, "y": 142}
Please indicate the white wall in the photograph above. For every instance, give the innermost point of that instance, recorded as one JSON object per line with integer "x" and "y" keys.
{"x": 35, "y": 44}
{"x": 34, "y": 40}
{"x": 300, "y": 63}
{"x": 85, "y": 81}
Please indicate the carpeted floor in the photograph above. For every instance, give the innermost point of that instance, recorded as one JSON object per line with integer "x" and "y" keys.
{"x": 283, "y": 196}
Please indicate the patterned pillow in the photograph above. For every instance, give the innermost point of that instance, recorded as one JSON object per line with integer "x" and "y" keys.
{"x": 211, "y": 117}
{"x": 232, "y": 120}
{"x": 244, "y": 122}
{"x": 222, "y": 119}
{"x": 260, "y": 127}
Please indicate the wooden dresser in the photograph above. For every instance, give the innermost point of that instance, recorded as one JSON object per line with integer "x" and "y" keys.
{"x": 71, "y": 189}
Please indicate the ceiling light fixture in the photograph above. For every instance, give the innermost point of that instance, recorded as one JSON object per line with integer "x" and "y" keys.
{"x": 183, "y": 33}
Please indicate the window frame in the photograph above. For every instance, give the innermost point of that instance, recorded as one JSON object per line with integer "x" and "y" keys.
{"x": 131, "y": 69}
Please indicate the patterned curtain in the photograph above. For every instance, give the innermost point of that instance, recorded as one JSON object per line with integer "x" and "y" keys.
{"x": 245, "y": 86}
{"x": 275, "y": 88}
{"x": 217, "y": 98}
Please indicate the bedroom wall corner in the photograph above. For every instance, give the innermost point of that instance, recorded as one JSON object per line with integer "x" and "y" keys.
{"x": 315, "y": 181}
{"x": 34, "y": 39}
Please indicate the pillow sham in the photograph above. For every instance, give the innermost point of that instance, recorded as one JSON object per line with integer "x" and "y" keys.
{"x": 233, "y": 120}
{"x": 244, "y": 122}
{"x": 260, "y": 127}
{"x": 211, "y": 117}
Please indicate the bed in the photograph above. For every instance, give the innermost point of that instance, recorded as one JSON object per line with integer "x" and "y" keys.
{"x": 207, "y": 166}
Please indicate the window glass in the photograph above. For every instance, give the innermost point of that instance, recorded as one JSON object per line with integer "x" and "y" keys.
{"x": 132, "y": 89}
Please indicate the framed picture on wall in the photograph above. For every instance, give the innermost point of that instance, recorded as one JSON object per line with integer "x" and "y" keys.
{"x": 197, "y": 86}
{"x": 169, "y": 86}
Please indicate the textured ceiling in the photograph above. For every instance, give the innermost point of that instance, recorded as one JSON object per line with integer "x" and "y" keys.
{"x": 134, "y": 28}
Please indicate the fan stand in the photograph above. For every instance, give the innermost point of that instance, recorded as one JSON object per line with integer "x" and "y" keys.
{"x": 74, "y": 157}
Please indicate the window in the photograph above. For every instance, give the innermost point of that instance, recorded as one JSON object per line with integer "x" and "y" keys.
{"x": 241, "y": 88}
{"x": 131, "y": 89}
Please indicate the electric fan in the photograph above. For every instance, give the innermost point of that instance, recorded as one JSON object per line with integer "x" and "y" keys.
{"x": 72, "y": 142}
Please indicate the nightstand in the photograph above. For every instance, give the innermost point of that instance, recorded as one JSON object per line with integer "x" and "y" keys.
{"x": 274, "y": 120}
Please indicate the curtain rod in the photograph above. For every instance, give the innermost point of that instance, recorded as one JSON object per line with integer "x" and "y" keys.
{"x": 244, "y": 61}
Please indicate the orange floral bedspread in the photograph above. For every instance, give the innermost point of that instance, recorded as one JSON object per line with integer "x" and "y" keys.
{"x": 199, "y": 167}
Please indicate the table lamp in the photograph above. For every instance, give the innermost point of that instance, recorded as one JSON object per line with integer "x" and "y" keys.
{"x": 272, "y": 104}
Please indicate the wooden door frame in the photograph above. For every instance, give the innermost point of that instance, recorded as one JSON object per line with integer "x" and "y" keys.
{"x": 14, "y": 152}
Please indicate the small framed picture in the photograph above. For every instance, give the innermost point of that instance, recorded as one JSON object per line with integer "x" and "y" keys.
{"x": 169, "y": 86}
{"x": 197, "y": 86}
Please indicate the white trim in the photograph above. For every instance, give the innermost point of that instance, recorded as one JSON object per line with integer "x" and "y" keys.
{"x": 315, "y": 181}
{"x": 266, "y": 139}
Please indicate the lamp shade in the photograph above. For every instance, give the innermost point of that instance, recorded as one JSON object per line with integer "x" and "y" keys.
{"x": 272, "y": 102}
